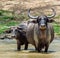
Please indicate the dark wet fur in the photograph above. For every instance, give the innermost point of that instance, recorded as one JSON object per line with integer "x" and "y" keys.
{"x": 21, "y": 39}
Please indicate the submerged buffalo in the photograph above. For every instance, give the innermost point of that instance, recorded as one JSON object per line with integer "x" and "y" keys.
{"x": 40, "y": 33}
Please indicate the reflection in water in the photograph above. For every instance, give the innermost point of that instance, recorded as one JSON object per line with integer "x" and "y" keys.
{"x": 8, "y": 50}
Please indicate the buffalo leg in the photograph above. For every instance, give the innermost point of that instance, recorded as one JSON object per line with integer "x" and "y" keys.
{"x": 46, "y": 48}
{"x": 26, "y": 46}
{"x": 39, "y": 48}
{"x": 36, "y": 48}
{"x": 18, "y": 46}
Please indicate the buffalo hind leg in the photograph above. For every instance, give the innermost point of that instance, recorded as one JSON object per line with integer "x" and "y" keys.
{"x": 18, "y": 46}
{"x": 26, "y": 46}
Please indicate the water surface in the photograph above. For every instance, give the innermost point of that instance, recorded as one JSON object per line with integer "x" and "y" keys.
{"x": 8, "y": 50}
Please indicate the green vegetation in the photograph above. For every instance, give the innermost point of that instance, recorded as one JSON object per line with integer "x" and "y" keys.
{"x": 5, "y": 26}
{"x": 7, "y": 19}
{"x": 56, "y": 28}
{"x": 57, "y": 17}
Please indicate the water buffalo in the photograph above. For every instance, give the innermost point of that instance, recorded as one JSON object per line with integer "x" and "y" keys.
{"x": 19, "y": 34}
{"x": 40, "y": 33}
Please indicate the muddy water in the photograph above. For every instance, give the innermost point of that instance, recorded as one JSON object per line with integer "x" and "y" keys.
{"x": 8, "y": 50}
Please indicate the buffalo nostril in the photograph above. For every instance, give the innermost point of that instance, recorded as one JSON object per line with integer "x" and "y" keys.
{"x": 42, "y": 25}
{"x": 13, "y": 36}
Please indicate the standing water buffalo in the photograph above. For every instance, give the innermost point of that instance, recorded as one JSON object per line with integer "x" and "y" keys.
{"x": 40, "y": 33}
{"x": 19, "y": 34}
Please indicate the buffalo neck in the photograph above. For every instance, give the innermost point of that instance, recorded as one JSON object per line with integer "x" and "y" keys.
{"x": 43, "y": 33}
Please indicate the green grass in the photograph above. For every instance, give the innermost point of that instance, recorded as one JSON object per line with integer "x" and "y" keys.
{"x": 7, "y": 19}
{"x": 2, "y": 29}
{"x": 6, "y": 26}
{"x": 57, "y": 17}
{"x": 56, "y": 28}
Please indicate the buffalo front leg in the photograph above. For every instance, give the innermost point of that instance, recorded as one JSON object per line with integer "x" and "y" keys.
{"x": 39, "y": 48}
{"x": 26, "y": 46}
{"x": 46, "y": 47}
{"x": 36, "y": 48}
{"x": 18, "y": 45}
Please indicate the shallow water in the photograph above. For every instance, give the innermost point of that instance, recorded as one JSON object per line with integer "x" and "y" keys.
{"x": 8, "y": 50}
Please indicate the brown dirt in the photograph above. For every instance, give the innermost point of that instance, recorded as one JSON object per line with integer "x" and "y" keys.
{"x": 34, "y": 4}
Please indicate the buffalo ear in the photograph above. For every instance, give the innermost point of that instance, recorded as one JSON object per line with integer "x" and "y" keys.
{"x": 32, "y": 21}
{"x": 50, "y": 21}
{"x": 8, "y": 31}
{"x": 19, "y": 28}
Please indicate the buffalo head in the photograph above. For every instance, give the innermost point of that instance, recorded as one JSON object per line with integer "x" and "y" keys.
{"x": 42, "y": 20}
